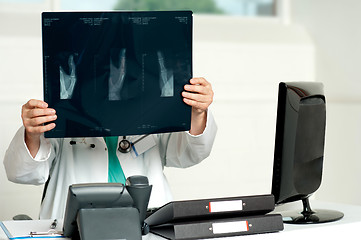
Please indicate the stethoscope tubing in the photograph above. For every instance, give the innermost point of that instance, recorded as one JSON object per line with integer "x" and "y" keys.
{"x": 124, "y": 145}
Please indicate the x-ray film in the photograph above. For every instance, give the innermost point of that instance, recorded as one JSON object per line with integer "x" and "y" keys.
{"x": 117, "y": 73}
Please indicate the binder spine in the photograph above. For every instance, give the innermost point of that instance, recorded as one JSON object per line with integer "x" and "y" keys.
{"x": 212, "y": 208}
{"x": 225, "y": 227}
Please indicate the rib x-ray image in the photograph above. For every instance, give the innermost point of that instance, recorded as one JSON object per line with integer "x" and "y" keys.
{"x": 117, "y": 73}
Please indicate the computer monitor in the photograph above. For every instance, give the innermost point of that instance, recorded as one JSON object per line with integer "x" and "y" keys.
{"x": 299, "y": 149}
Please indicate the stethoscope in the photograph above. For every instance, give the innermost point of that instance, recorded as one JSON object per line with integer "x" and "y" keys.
{"x": 124, "y": 145}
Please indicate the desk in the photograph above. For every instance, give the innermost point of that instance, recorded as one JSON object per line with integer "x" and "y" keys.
{"x": 349, "y": 227}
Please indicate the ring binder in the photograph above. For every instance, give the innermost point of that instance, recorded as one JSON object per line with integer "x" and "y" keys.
{"x": 223, "y": 227}
{"x": 211, "y": 208}
{"x": 217, "y": 217}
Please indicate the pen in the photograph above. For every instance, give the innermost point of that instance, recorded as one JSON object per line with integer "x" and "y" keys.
{"x": 51, "y": 232}
{"x": 54, "y": 224}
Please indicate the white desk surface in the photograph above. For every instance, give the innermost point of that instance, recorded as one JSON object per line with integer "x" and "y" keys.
{"x": 349, "y": 227}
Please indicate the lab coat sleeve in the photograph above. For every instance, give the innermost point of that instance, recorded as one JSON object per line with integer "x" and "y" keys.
{"x": 182, "y": 150}
{"x": 21, "y": 167}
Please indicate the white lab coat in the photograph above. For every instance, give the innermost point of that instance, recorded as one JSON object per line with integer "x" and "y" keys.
{"x": 68, "y": 164}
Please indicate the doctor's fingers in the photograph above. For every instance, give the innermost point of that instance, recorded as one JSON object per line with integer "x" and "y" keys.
{"x": 196, "y": 105}
{"x": 202, "y": 98}
{"x": 201, "y": 89}
{"x": 34, "y": 103}
{"x": 197, "y": 101}
{"x": 30, "y": 123}
{"x": 199, "y": 81}
{"x": 200, "y": 84}
{"x": 40, "y": 129}
{"x": 36, "y": 112}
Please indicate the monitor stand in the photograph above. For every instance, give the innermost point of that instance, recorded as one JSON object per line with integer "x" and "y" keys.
{"x": 308, "y": 216}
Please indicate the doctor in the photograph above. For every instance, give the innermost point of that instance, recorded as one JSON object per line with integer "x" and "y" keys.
{"x": 32, "y": 159}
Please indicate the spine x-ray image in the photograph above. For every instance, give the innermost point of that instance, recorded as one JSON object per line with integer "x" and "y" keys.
{"x": 116, "y": 76}
{"x": 166, "y": 79}
{"x": 67, "y": 81}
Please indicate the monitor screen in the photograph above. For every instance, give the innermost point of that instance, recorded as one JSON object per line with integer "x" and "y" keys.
{"x": 299, "y": 144}
{"x": 117, "y": 73}
{"x": 299, "y": 150}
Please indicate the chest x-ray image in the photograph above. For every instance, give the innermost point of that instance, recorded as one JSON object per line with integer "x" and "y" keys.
{"x": 117, "y": 73}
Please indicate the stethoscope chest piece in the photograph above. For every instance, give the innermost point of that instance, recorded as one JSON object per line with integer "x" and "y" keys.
{"x": 124, "y": 146}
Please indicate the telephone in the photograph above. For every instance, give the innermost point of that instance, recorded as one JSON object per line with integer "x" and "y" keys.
{"x": 100, "y": 211}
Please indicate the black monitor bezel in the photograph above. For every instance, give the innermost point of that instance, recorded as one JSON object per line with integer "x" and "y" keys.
{"x": 304, "y": 90}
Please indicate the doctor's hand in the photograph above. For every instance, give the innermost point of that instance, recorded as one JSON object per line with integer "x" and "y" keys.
{"x": 34, "y": 114}
{"x": 199, "y": 95}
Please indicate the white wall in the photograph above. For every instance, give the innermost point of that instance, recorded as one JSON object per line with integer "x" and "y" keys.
{"x": 245, "y": 59}
{"x": 327, "y": 49}
{"x": 334, "y": 26}
{"x": 21, "y": 79}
